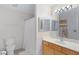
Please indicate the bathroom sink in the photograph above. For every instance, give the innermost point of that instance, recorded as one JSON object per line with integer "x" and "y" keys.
{"x": 60, "y": 41}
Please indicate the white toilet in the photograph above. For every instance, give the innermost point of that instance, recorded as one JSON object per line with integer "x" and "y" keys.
{"x": 10, "y": 46}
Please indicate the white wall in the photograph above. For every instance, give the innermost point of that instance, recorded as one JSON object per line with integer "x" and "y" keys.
{"x": 12, "y": 25}
{"x": 30, "y": 36}
{"x": 43, "y": 12}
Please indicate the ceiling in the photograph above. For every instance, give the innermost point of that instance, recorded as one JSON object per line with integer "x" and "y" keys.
{"x": 25, "y": 8}
{"x": 58, "y": 6}
{"x": 30, "y": 8}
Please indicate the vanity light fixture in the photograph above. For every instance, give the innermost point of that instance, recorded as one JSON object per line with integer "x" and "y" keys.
{"x": 69, "y": 6}
{"x": 56, "y": 11}
{"x": 66, "y": 8}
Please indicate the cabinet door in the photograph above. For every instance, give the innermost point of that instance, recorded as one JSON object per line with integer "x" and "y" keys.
{"x": 51, "y": 51}
{"x": 69, "y": 52}
{"x": 47, "y": 50}
{"x": 58, "y": 53}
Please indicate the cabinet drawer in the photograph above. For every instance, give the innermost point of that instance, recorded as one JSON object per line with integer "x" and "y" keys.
{"x": 45, "y": 43}
{"x": 69, "y": 52}
{"x": 54, "y": 46}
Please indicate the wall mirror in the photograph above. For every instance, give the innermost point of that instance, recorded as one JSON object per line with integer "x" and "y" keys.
{"x": 45, "y": 25}
{"x": 69, "y": 24}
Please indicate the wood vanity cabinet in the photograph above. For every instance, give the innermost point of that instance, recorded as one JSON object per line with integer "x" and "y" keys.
{"x": 46, "y": 49}
{"x": 69, "y": 51}
{"x": 56, "y": 48}
{"x": 53, "y": 49}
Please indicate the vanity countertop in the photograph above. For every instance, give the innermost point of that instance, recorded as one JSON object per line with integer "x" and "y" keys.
{"x": 64, "y": 43}
{"x": 67, "y": 44}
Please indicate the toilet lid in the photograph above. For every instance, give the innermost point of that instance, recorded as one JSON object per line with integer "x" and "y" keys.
{"x": 10, "y": 42}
